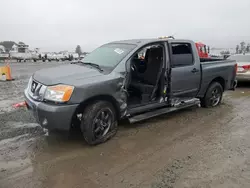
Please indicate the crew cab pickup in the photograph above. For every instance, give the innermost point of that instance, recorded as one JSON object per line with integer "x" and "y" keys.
{"x": 133, "y": 79}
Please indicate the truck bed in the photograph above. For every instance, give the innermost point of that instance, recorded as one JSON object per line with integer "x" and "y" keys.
{"x": 221, "y": 70}
{"x": 202, "y": 60}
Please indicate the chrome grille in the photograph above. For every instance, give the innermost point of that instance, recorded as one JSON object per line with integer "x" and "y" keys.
{"x": 36, "y": 90}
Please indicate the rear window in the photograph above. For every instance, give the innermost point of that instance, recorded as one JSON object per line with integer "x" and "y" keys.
{"x": 240, "y": 58}
{"x": 182, "y": 54}
{"x": 181, "y": 49}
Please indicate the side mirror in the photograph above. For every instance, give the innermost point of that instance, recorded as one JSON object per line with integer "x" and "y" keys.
{"x": 208, "y": 49}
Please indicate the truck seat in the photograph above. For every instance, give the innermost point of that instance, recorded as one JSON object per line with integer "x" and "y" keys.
{"x": 149, "y": 78}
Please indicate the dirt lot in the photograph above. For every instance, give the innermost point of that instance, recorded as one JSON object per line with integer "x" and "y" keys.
{"x": 192, "y": 148}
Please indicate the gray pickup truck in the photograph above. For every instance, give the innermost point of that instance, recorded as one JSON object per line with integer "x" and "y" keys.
{"x": 132, "y": 79}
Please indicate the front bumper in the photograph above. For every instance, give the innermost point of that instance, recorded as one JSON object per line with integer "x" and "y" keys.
{"x": 52, "y": 117}
{"x": 243, "y": 77}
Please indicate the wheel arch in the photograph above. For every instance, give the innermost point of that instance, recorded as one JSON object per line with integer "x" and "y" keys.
{"x": 220, "y": 80}
{"x": 204, "y": 88}
{"x": 91, "y": 100}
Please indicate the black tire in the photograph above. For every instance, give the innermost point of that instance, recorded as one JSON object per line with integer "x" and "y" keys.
{"x": 213, "y": 95}
{"x": 93, "y": 118}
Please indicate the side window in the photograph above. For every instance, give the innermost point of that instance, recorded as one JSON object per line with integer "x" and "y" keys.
{"x": 181, "y": 54}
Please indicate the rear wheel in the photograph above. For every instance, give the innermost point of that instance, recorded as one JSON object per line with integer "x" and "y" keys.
{"x": 99, "y": 122}
{"x": 213, "y": 95}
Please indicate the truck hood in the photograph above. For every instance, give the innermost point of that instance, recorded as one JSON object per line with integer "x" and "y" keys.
{"x": 66, "y": 74}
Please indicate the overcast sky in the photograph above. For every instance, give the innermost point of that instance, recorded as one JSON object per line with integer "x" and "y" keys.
{"x": 54, "y": 25}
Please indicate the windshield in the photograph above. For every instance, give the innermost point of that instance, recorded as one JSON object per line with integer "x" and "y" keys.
{"x": 240, "y": 58}
{"x": 109, "y": 55}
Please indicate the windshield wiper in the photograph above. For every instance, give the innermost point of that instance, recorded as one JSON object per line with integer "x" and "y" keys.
{"x": 93, "y": 65}
{"x": 89, "y": 63}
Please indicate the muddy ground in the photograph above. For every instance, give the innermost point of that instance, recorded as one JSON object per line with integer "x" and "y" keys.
{"x": 193, "y": 148}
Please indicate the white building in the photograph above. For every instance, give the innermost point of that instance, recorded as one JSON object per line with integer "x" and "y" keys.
{"x": 2, "y": 49}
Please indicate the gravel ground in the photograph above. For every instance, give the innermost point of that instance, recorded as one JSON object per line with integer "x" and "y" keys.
{"x": 193, "y": 148}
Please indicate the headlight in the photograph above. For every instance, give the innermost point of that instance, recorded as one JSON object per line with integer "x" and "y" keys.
{"x": 58, "y": 93}
{"x": 29, "y": 83}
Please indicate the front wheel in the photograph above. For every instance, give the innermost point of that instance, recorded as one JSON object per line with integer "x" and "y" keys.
{"x": 213, "y": 95}
{"x": 99, "y": 122}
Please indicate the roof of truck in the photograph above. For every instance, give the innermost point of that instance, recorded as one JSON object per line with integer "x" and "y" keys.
{"x": 145, "y": 41}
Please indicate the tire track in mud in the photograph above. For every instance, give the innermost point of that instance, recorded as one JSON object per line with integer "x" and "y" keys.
{"x": 20, "y": 135}
{"x": 16, "y": 123}
{"x": 17, "y": 141}
{"x": 167, "y": 177}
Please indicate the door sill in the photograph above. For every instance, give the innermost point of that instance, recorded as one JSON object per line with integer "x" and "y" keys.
{"x": 145, "y": 107}
{"x": 164, "y": 110}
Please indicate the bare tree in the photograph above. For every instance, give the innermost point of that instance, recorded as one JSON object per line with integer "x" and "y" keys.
{"x": 248, "y": 47}
{"x": 237, "y": 49}
{"x": 242, "y": 46}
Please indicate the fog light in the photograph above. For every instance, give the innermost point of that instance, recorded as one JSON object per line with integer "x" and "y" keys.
{"x": 44, "y": 122}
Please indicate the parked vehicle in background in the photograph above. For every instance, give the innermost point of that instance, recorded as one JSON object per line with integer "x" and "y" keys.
{"x": 113, "y": 82}
{"x": 243, "y": 63}
{"x": 3, "y": 54}
{"x": 44, "y": 57}
{"x": 70, "y": 56}
{"x": 75, "y": 56}
{"x": 51, "y": 57}
{"x": 205, "y": 54}
{"x": 21, "y": 52}
{"x": 81, "y": 57}
{"x": 59, "y": 56}
{"x": 35, "y": 55}
{"x": 203, "y": 50}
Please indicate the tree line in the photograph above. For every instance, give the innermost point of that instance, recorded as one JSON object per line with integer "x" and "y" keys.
{"x": 8, "y": 45}
{"x": 242, "y": 48}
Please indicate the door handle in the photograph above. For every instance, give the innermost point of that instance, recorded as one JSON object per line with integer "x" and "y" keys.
{"x": 194, "y": 70}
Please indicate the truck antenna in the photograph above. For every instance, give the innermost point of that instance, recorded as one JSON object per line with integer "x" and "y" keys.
{"x": 172, "y": 36}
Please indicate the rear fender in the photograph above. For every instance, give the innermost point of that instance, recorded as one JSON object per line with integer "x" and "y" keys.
{"x": 204, "y": 86}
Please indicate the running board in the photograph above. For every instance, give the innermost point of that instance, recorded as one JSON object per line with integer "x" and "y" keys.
{"x": 161, "y": 111}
